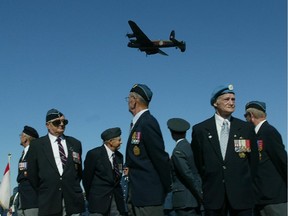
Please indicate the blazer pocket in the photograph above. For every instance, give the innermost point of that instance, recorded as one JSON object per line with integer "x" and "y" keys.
{"x": 178, "y": 198}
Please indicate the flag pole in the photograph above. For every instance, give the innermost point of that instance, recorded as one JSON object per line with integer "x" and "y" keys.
{"x": 9, "y": 157}
{"x": 5, "y": 187}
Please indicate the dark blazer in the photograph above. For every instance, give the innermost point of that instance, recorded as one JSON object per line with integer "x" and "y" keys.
{"x": 271, "y": 179}
{"x": 50, "y": 185}
{"x": 186, "y": 187}
{"x": 149, "y": 168}
{"x": 231, "y": 177}
{"x": 99, "y": 183}
{"x": 27, "y": 194}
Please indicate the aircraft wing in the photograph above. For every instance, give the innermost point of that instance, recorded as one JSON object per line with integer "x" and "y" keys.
{"x": 161, "y": 52}
{"x": 139, "y": 34}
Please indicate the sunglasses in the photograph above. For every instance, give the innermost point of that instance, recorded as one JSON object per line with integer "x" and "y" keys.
{"x": 56, "y": 123}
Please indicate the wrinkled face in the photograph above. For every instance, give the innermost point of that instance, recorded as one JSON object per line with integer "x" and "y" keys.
{"x": 23, "y": 139}
{"x": 57, "y": 126}
{"x": 131, "y": 102}
{"x": 125, "y": 171}
{"x": 225, "y": 104}
{"x": 115, "y": 143}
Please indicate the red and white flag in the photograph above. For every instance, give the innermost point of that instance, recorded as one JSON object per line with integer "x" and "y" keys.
{"x": 5, "y": 188}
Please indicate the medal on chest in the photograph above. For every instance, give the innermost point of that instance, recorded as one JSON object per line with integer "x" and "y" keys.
{"x": 260, "y": 148}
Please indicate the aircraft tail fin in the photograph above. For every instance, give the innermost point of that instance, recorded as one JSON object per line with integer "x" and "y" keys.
{"x": 181, "y": 45}
{"x": 172, "y": 35}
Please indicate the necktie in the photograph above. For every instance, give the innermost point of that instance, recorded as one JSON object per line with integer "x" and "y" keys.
{"x": 224, "y": 135}
{"x": 22, "y": 155}
{"x": 115, "y": 168}
{"x": 61, "y": 152}
{"x": 131, "y": 125}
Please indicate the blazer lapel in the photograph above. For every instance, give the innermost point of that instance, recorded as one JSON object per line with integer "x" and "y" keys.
{"x": 106, "y": 163}
{"x": 47, "y": 150}
{"x": 212, "y": 137}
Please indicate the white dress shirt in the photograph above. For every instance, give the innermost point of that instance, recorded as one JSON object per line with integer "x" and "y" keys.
{"x": 55, "y": 148}
{"x": 219, "y": 123}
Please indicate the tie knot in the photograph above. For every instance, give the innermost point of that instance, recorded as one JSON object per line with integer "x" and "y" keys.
{"x": 225, "y": 123}
{"x": 58, "y": 139}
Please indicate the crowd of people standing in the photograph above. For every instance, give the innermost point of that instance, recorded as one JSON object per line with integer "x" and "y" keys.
{"x": 231, "y": 167}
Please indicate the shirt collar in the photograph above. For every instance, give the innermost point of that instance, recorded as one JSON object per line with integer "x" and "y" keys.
{"x": 219, "y": 120}
{"x": 26, "y": 149}
{"x": 109, "y": 151}
{"x": 137, "y": 116}
{"x": 258, "y": 126}
{"x": 53, "y": 138}
{"x": 179, "y": 140}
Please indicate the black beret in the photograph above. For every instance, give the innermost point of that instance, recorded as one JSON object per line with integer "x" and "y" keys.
{"x": 178, "y": 125}
{"x": 111, "y": 133}
{"x": 53, "y": 114}
{"x": 257, "y": 105}
{"x": 143, "y": 90}
{"x": 220, "y": 90}
{"x": 30, "y": 131}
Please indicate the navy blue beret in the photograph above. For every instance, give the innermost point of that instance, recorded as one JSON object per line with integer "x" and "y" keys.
{"x": 178, "y": 125}
{"x": 53, "y": 114}
{"x": 220, "y": 90}
{"x": 111, "y": 133}
{"x": 30, "y": 131}
{"x": 257, "y": 105}
{"x": 143, "y": 90}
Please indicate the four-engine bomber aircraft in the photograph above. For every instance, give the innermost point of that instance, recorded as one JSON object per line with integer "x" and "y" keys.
{"x": 139, "y": 40}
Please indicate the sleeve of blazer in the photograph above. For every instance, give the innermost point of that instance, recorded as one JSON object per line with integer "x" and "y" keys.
{"x": 276, "y": 151}
{"x": 32, "y": 169}
{"x": 186, "y": 174}
{"x": 197, "y": 150}
{"x": 88, "y": 172}
{"x": 254, "y": 157}
{"x": 154, "y": 145}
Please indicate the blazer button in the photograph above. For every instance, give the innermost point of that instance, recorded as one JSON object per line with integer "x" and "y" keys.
{"x": 60, "y": 189}
{"x": 60, "y": 178}
{"x": 224, "y": 167}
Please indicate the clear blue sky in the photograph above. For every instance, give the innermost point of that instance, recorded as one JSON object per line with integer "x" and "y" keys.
{"x": 73, "y": 56}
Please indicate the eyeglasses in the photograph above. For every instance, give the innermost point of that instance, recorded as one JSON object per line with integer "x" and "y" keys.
{"x": 56, "y": 123}
{"x": 130, "y": 96}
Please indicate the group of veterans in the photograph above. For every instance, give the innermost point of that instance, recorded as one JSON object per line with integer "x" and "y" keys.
{"x": 231, "y": 167}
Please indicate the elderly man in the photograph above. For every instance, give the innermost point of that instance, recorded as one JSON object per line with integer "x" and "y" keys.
{"x": 148, "y": 163}
{"x": 225, "y": 153}
{"x": 55, "y": 169}
{"x": 271, "y": 178}
{"x": 27, "y": 196}
{"x": 102, "y": 175}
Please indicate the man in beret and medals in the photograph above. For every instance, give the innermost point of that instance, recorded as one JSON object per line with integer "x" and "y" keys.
{"x": 102, "y": 175}
{"x": 148, "y": 163}
{"x": 225, "y": 154}
{"x": 271, "y": 177}
{"x": 55, "y": 169}
{"x": 186, "y": 187}
{"x": 27, "y": 196}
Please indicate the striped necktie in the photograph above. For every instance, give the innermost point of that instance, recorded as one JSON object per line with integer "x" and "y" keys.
{"x": 61, "y": 152}
{"x": 115, "y": 168}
